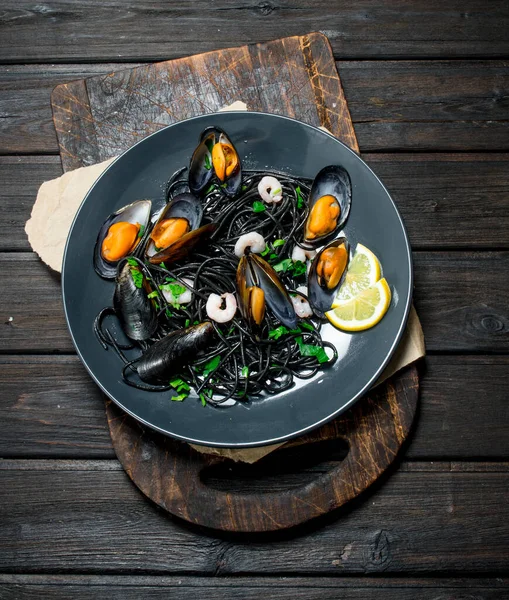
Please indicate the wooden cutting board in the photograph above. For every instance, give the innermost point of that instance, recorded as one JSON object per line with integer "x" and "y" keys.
{"x": 101, "y": 117}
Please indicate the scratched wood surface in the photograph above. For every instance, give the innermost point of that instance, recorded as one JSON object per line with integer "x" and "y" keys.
{"x": 100, "y": 117}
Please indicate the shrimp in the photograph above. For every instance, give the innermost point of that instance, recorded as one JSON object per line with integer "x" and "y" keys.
{"x": 184, "y": 298}
{"x": 300, "y": 304}
{"x": 302, "y": 254}
{"x": 270, "y": 190}
{"x": 215, "y": 310}
{"x": 254, "y": 241}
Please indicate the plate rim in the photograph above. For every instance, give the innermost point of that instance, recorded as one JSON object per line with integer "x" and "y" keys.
{"x": 308, "y": 428}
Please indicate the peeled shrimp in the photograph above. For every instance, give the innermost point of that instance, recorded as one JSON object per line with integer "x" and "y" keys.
{"x": 183, "y": 298}
{"x": 215, "y": 310}
{"x": 270, "y": 190}
{"x": 300, "y": 304}
{"x": 302, "y": 254}
{"x": 254, "y": 241}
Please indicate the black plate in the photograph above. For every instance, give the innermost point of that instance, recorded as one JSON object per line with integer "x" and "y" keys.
{"x": 263, "y": 141}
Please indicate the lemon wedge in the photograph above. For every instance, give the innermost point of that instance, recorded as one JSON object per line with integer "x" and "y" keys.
{"x": 363, "y": 272}
{"x": 363, "y": 311}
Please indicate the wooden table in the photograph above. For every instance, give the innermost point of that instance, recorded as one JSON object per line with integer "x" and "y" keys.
{"x": 428, "y": 89}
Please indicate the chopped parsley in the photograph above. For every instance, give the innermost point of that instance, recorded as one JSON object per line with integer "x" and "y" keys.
{"x": 208, "y": 164}
{"x": 132, "y": 261}
{"x": 245, "y": 371}
{"x": 153, "y": 294}
{"x": 277, "y": 243}
{"x": 266, "y": 251}
{"x": 275, "y": 334}
{"x": 168, "y": 312}
{"x": 141, "y": 232}
{"x": 307, "y": 326}
{"x": 137, "y": 276}
{"x": 175, "y": 288}
{"x": 210, "y": 189}
{"x": 211, "y": 365}
{"x": 283, "y": 266}
{"x": 182, "y": 388}
{"x": 206, "y": 394}
{"x": 298, "y": 268}
{"x": 243, "y": 188}
{"x": 311, "y": 350}
{"x": 187, "y": 323}
{"x": 258, "y": 206}
{"x": 179, "y": 397}
{"x": 300, "y": 199}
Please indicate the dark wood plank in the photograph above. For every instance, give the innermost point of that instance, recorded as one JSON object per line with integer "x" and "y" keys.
{"x": 466, "y": 109}
{"x": 461, "y": 298}
{"x": 51, "y": 408}
{"x": 93, "y": 520}
{"x": 21, "y": 178}
{"x": 71, "y": 31}
{"x": 434, "y": 193}
{"x": 449, "y": 200}
{"x": 88, "y": 587}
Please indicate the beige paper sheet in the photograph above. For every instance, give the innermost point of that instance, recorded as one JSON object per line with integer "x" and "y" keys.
{"x": 52, "y": 215}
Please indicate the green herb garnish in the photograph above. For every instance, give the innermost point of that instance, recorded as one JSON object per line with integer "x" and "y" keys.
{"x": 245, "y": 371}
{"x": 132, "y": 261}
{"x": 243, "y": 188}
{"x": 298, "y": 268}
{"x": 210, "y": 189}
{"x": 187, "y": 323}
{"x": 307, "y": 326}
{"x": 141, "y": 232}
{"x": 168, "y": 313}
{"x": 277, "y": 243}
{"x": 137, "y": 276}
{"x": 311, "y": 350}
{"x": 180, "y": 385}
{"x": 283, "y": 266}
{"x": 266, "y": 251}
{"x": 153, "y": 294}
{"x": 258, "y": 206}
{"x": 175, "y": 288}
{"x": 300, "y": 199}
{"x": 179, "y": 398}
{"x": 208, "y": 164}
{"x": 211, "y": 365}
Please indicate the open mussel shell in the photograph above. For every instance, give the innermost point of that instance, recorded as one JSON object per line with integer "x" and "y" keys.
{"x": 210, "y": 163}
{"x": 137, "y": 213}
{"x": 183, "y": 207}
{"x": 173, "y": 352}
{"x": 134, "y": 309}
{"x": 330, "y": 199}
{"x": 326, "y": 275}
{"x": 184, "y": 246}
{"x": 254, "y": 272}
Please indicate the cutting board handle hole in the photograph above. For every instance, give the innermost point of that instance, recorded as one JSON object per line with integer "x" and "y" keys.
{"x": 287, "y": 468}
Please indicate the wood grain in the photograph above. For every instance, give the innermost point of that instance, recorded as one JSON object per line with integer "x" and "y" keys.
{"x": 469, "y": 97}
{"x": 51, "y": 408}
{"x": 102, "y": 116}
{"x": 88, "y": 587}
{"x": 460, "y": 298}
{"x": 88, "y": 518}
{"x": 433, "y": 192}
{"x": 70, "y": 31}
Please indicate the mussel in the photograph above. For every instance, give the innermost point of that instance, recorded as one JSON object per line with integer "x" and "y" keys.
{"x": 171, "y": 353}
{"x": 134, "y": 309}
{"x": 330, "y": 199}
{"x": 326, "y": 274}
{"x": 177, "y": 231}
{"x": 215, "y": 158}
{"x": 258, "y": 285}
{"x": 119, "y": 235}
